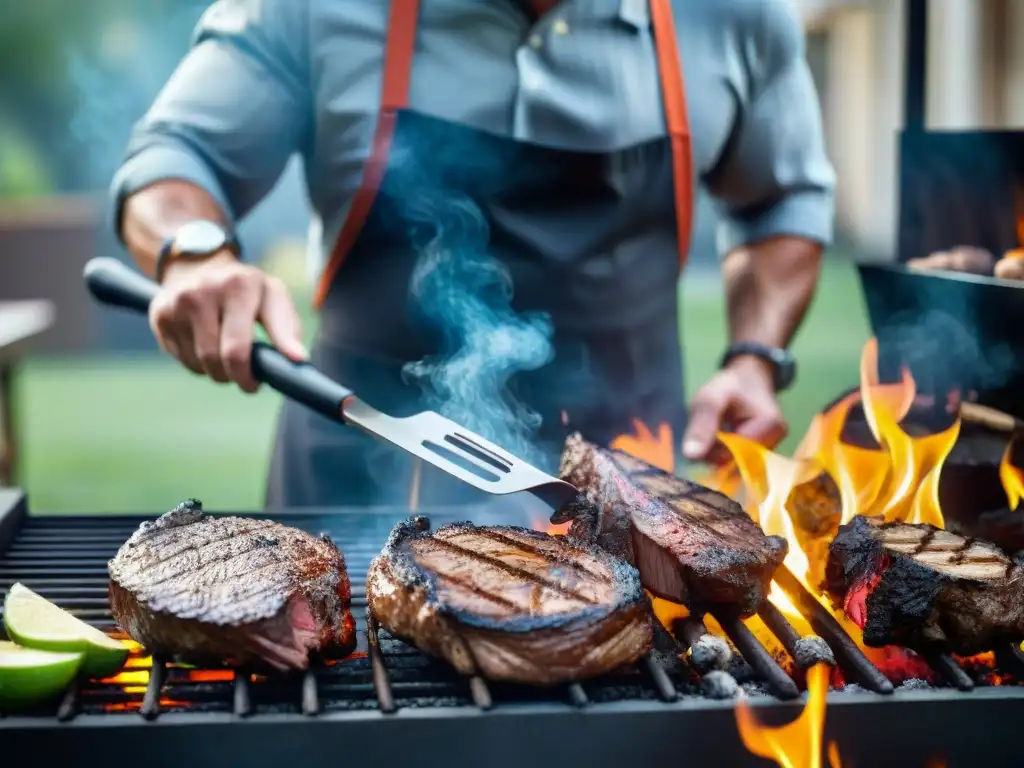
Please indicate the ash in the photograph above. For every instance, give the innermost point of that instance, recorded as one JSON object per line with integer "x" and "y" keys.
{"x": 812, "y": 650}
{"x": 720, "y": 685}
{"x": 710, "y": 653}
{"x": 915, "y": 684}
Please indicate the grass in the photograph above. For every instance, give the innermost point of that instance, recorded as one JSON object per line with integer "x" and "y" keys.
{"x": 138, "y": 434}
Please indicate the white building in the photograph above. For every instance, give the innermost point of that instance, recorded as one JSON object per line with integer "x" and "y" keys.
{"x": 975, "y": 61}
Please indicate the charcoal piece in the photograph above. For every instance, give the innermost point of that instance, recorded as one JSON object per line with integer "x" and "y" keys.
{"x": 719, "y": 685}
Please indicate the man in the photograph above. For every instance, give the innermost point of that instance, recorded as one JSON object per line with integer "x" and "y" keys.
{"x": 478, "y": 162}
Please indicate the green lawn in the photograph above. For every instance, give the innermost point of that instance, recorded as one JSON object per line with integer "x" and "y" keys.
{"x": 138, "y": 434}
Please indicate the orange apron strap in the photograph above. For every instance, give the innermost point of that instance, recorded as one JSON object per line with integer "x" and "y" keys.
{"x": 399, "y": 47}
{"x": 673, "y": 94}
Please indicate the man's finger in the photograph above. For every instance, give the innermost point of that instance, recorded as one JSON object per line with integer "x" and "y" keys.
{"x": 278, "y": 316}
{"x": 206, "y": 333}
{"x": 705, "y": 418}
{"x": 240, "y": 309}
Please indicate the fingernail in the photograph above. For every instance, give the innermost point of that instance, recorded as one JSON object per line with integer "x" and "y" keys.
{"x": 692, "y": 449}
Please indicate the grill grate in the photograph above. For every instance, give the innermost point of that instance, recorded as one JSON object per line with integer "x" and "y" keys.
{"x": 64, "y": 560}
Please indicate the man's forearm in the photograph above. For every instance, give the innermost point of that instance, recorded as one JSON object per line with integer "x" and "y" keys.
{"x": 156, "y": 212}
{"x": 769, "y": 286}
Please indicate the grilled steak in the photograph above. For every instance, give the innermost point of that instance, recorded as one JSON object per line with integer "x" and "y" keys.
{"x": 229, "y": 587}
{"x": 508, "y": 603}
{"x": 925, "y": 588}
{"x": 691, "y": 544}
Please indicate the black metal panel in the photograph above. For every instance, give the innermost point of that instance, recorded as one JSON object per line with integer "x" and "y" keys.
{"x": 916, "y": 72}
{"x": 902, "y": 731}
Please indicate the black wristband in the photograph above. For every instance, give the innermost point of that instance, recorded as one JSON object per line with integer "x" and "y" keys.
{"x": 781, "y": 361}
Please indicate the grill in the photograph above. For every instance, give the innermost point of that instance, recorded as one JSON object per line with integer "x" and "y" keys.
{"x": 388, "y": 702}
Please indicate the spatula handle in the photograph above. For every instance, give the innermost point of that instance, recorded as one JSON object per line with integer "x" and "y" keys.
{"x": 118, "y": 285}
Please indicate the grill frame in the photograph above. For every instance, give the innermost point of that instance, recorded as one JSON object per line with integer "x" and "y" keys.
{"x": 906, "y": 727}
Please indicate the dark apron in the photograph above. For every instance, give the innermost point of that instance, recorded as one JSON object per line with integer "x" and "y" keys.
{"x": 547, "y": 279}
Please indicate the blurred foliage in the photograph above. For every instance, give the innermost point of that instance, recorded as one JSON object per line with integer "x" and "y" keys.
{"x": 42, "y": 43}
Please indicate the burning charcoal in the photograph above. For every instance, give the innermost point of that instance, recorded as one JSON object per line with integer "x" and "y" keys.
{"x": 508, "y": 603}
{"x": 231, "y": 587}
{"x": 915, "y": 684}
{"x": 924, "y": 588}
{"x": 710, "y": 653}
{"x": 720, "y": 685}
{"x": 692, "y": 545}
{"x": 812, "y": 650}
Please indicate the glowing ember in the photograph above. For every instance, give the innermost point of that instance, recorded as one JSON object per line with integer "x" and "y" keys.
{"x": 796, "y": 744}
{"x": 1012, "y": 477}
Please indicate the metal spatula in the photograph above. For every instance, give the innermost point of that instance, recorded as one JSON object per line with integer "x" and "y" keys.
{"x": 428, "y": 435}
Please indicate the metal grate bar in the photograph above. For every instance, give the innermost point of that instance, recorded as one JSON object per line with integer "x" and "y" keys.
{"x": 775, "y": 677}
{"x": 578, "y": 696}
{"x": 480, "y": 692}
{"x": 381, "y": 682}
{"x": 950, "y": 670}
{"x": 241, "y": 695}
{"x": 150, "y": 708}
{"x": 310, "y": 694}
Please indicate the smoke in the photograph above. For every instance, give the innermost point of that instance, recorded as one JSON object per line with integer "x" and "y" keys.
{"x": 116, "y": 75}
{"x": 467, "y": 293}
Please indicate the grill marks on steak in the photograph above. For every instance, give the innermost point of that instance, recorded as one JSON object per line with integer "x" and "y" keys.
{"x": 691, "y": 544}
{"x": 509, "y": 603}
{"x": 924, "y": 588}
{"x": 230, "y": 587}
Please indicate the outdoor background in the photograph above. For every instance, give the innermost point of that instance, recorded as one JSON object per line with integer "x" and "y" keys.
{"x": 107, "y": 424}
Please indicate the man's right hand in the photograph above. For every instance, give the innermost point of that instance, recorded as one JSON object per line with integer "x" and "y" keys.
{"x": 205, "y": 312}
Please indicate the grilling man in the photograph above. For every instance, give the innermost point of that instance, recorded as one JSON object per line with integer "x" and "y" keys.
{"x": 562, "y": 140}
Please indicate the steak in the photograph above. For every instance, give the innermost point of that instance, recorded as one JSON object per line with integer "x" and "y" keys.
{"x": 508, "y": 603}
{"x": 925, "y": 588}
{"x": 244, "y": 590}
{"x": 692, "y": 545}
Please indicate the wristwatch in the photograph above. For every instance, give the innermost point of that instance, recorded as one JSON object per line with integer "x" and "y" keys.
{"x": 195, "y": 240}
{"x": 781, "y": 361}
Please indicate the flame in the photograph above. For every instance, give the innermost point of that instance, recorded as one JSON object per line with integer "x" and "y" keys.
{"x": 1012, "y": 477}
{"x": 796, "y": 744}
{"x": 643, "y": 445}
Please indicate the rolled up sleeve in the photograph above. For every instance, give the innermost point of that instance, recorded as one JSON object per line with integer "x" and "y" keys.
{"x": 233, "y": 112}
{"x": 775, "y": 178}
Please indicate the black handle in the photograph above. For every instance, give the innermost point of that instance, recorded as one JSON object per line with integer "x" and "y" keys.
{"x": 115, "y": 283}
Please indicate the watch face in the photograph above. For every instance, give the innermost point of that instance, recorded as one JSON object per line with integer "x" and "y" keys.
{"x": 200, "y": 238}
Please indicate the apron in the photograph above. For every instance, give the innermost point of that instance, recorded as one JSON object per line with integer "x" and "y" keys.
{"x": 546, "y": 279}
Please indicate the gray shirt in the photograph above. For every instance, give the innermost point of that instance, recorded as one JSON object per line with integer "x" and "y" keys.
{"x": 266, "y": 79}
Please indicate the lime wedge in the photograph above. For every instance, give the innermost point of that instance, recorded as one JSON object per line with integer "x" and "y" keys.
{"x": 35, "y": 622}
{"x": 29, "y": 677}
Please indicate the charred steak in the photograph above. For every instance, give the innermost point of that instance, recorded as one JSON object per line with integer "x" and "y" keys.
{"x": 925, "y": 588}
{"x": 229, "y": 587}
{"x": 509, "y": 603}
{"x": 692, "y": 545}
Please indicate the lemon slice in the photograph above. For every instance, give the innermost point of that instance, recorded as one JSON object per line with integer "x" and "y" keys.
{"x": 34, "y": 622}
{"x": 29, "y": 677}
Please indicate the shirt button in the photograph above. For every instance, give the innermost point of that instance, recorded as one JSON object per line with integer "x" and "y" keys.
{"x": 560, "y": 27}
{"x": 536, "y": 41}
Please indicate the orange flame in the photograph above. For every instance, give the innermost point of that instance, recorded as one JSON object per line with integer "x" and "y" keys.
{"x": 796, "y": 744}
{"x": 1012, "y": 477}
{"x": 656, "y": 451}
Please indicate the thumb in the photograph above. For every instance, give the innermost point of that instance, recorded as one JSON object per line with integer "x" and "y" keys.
{"x": 281, "y": 320}
{"x": 705, "y": 419}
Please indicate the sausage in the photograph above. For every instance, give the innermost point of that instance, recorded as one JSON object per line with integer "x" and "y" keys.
{"x": 1010, "y": 268}
{"x": 963, "y": 258}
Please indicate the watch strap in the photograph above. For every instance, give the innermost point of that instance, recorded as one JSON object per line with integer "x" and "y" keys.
{"x": 780, "y": 361}
{"x": 166, "y": 252}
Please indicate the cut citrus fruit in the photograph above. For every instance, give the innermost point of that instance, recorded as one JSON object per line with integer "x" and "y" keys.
{"x": 34, "y": 622}
{"x": 29, "y": 677}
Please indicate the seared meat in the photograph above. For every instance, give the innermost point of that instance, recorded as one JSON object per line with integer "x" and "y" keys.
{"x": 691, "y": 544}
{"x": 925, "y": 588}
{"x": 508, "y": 603}
{"x": 229, "y": 587}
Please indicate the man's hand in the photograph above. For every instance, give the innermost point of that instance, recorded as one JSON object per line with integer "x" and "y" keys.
{"x": 739, "y": 398}
{"x": 205, "y": 312}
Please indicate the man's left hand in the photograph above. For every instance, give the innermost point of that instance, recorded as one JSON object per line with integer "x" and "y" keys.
{"x": 740, "y": 398}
